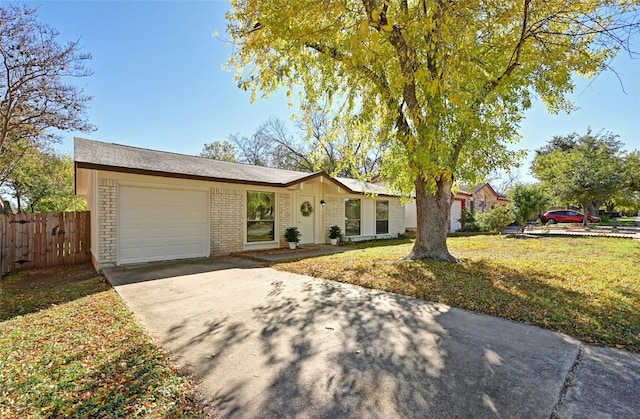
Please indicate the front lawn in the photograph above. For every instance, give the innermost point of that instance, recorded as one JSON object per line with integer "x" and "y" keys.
{"x": 620, "y": 222}
{"x": 80, "y": 353}
{"x": 24, "y": 292}
{"x": 588, "y": 288}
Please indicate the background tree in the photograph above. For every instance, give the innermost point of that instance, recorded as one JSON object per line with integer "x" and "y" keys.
{"x": 43, "y": 181}
{"x": 318, "y": 147}
{"x": 588, "y": 171}
{"x": 627, "y": 198}
{"x": 503, "y": 180}
{"x": 256, "y": 149}
{"x": 441, "y": 85}
{"x": 33, "y": 95}
{"x": 495, "y": 220}
{"x": 220, "y": 150}
{"x": 287, "y": 152}
{"x": 527, "y": 201}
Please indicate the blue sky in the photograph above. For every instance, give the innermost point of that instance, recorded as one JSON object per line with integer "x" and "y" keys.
{"x": 159, "y": 83}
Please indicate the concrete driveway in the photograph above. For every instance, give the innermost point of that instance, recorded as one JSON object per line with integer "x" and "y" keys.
{"x": 263, "y": 343}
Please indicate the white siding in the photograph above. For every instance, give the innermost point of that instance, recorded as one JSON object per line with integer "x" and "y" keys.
{"x": 456, "y": 214}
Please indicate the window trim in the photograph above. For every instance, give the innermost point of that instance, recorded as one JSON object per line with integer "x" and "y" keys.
{"x": 382, "y": 219}
{"x": 247, "y": 220}
{"x": 359, "y": 219}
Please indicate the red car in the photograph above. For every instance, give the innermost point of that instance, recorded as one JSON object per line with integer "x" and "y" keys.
{"x": 566, "y": 216}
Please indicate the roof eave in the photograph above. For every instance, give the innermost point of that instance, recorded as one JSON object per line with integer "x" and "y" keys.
{"x": 157, "y": 173}
{"x": 320, "y": 174}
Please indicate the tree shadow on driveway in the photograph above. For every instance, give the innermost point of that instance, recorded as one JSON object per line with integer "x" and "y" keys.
{"x": 275, "y": 344}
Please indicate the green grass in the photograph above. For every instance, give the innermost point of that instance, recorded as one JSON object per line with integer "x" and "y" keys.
{"x": 620, "y": 222}
{"x": 588, "y": 288}
{"x": 81, "y": 353}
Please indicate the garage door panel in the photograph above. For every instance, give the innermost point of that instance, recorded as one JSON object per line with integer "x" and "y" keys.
{"x": 162, "y": 224}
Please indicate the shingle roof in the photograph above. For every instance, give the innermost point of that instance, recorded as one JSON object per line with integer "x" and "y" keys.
{"x": 107, "y": 156}
{"x": 364, "y": 187}
{"x": 90, "y": 154}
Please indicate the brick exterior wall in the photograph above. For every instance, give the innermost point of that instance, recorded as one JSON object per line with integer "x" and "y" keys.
{"x": 396, "y": 222}
{"x": 227, "y": 221}
{"x": 333, "y": 214}
{"x": 107, "y": 220}
{"x": 228, "y": 218}
{"x": 284, "y": 216}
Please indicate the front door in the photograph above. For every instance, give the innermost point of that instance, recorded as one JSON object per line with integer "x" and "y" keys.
{"x": 305, "y": 215}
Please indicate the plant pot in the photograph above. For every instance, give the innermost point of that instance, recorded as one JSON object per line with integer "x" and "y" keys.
{"x": 292, "y": 245}
{"x": 334, "y": 242}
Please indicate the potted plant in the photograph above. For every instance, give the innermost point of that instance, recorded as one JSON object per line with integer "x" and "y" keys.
{"x": 292, "y": 234}
{"x": 334, "y": 234}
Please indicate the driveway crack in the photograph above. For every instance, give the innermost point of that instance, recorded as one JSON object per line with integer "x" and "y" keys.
{"x": 568, "y": 382}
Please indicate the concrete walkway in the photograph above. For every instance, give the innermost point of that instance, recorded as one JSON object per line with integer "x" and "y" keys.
{"x": 300, "y": 253}
{"x": 263, "y": 343}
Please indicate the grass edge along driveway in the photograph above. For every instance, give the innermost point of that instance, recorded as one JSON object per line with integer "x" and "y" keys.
{"x": 588, "y": 288}
{"x": 81, "y": 353}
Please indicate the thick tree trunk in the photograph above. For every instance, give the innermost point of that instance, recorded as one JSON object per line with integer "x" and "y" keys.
{"x": 433, "y": 216}
{"x": 585, "y": 211}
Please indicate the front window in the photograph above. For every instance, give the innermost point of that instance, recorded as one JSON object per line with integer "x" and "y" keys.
{"x": 260, "y": 216}
{"x": 352, "y": 217}
{"x": 382, "y": 217}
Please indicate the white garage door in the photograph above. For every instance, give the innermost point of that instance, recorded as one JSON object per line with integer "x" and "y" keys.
{"x": 161, "y": 224}
{"x": 456, "y": 214}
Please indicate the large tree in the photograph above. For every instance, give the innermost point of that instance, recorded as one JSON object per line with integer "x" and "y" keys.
{"x": 586, "y": 169}
{"x": 627, "y": 197}
{"x": 34, "y": 95}
{"x": 43, "y": 181}
{"x": 444, "y": 83}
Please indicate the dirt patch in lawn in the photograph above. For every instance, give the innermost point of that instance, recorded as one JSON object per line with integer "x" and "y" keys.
{"x": 56, "y": 275}
{"x": 28, "y": 291}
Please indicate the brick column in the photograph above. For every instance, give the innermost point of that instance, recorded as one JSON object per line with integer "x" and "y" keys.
{"x": 228, "y": 219}
{"x": 284, "y": 217}
{"x": 333, "y": 214}
{"x": 396, "y": 215}
{"x": 107, "y": 221}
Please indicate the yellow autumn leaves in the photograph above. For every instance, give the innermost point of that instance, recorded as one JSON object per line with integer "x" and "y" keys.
{"x": 377, "y": 17}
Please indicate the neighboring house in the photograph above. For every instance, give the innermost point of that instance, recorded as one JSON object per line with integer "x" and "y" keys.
{"x": 482, "y": 199}
{"x": 149, "y": 205}
{"x": 460, "y": 203}
{"x": 486, "y": 198}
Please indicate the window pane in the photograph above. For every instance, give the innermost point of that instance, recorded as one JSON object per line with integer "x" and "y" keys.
{"x": 352, "y": 228}
{"x": 352, "y": 208}
{"x": 260, "y": 205}
{"x": 260, "y": 215}
{"x": 259, "y": 231}
{"x": 382, "y": 210}
{"x": 382, "y": 217}
{"x": 352, "y": 217}
{"x": 382, "y": 226}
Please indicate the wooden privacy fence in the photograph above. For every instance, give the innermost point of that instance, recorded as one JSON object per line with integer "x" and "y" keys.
{"x": 43, "y": 240}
